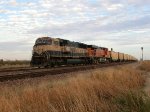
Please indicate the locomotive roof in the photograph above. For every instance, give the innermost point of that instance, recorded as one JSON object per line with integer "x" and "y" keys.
{"x": 72, "y": 43}
{"x": 44, "y": 37}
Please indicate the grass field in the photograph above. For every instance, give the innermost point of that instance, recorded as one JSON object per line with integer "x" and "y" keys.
{"x": 145, "y": 65}
{"x": 15, "y": 63}
{"x": 115, "y": 89}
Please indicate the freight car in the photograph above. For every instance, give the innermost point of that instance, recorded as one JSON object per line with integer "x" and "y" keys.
{"x": 49, "y": 51}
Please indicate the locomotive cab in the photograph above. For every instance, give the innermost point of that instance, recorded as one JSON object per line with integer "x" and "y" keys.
{"x": 38, "y": 49}
{"x": 44, "y": 49}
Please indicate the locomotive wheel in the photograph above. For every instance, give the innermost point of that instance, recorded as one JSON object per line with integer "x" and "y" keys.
{"x": 46, "y": 59}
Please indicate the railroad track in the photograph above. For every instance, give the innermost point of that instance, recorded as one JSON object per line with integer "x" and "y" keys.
{"x": 31, "y": 73}
{"x": 16, "y": 69}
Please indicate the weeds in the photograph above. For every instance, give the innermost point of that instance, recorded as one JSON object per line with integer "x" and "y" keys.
{"x": 133, "y": 101}
{"x": 145, "y": 65}
{"x": 110, "y": 90}
{"x": 15, "y": 63}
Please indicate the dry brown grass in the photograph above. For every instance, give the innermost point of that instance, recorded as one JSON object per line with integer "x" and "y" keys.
{"x": 145, "y": 65}
{"x": 14, "y": 64}
{"x": 110, "y": 90}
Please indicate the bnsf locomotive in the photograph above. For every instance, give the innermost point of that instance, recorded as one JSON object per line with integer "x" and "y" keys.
{"x": 49, "y": 51}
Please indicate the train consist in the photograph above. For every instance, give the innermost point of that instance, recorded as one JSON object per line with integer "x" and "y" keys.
{"x": 49, "y": 51}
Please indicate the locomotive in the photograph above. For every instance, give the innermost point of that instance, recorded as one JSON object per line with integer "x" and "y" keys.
{"x": 49, "y": 51}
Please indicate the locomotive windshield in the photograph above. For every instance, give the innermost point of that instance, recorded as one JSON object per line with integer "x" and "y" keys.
{"x": 43, "y": 41}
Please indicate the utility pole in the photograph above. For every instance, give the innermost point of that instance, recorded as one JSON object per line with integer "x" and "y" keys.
{"x": 142, "y": 53}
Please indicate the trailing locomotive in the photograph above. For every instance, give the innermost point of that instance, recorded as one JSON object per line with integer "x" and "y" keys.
{"x": 49, "y": 51}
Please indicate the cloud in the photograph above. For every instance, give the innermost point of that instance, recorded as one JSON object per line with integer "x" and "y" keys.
{"x": 3, "y": 11}
{"x": 138, "y": 2}
{"x": 93, "y": 28}
{"x": 100, "y": 22}
{"x": 14, "y": 46}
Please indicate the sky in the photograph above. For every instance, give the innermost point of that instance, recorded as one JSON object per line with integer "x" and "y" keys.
{"x": 123, "y": 25}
